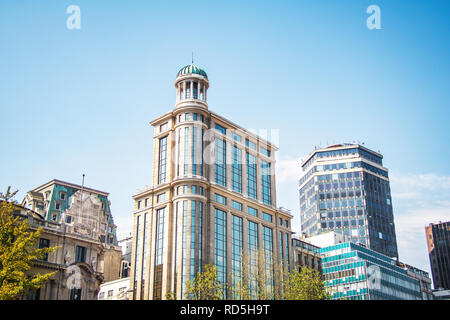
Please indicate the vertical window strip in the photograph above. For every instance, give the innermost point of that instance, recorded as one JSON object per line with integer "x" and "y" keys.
{"x": 183, "y": 259}
{"x": 251, "y": 176}
{"x": 159, "y": 254}
{"x": 236, "y": 170}
{"x": 236, "y": 253}
{"x": 186, "y": 151}
{"x": 220, "y": 162}
{"x": 200, "y": 217}
{"x": 252, "y": 259}
{"x": 144, "y": 245}
{"x": 162, "y": 160}
{"x": 268, "y": 256}
{"x": 201, "y": 153}
{"x": 193, "y": 225}
{"x": 265, "y": 183}
{"x": 137, "y": 253}
{"x": 287, "y": 251}
{"x": 220, "y": 246}
{"x": 194, "y": 151}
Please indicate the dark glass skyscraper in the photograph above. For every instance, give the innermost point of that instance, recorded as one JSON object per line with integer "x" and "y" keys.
{"x": 438, "y": 241}
{"x": 345, "y": 188}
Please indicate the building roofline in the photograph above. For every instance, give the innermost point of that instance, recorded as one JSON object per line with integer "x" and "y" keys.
{"x": 340, "y": 147}
{"x": 68, "y": 184}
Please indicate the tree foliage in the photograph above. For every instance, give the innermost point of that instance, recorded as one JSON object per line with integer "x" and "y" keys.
{"x": 17, "y": 251}
{"x": 303, "y": 285}
{"x": 205, "y": 285}
{"x": 264, "y": 279}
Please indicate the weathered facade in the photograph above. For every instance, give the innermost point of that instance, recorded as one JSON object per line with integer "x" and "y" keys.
{"x": 77, "y": 220}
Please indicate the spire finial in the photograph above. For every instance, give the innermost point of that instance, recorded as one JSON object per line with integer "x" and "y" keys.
{"x": 192, "y": 57}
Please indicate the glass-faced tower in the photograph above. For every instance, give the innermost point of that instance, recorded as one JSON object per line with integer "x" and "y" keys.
{"x": 345, "y": 188}
{"x": 212, "y": 200}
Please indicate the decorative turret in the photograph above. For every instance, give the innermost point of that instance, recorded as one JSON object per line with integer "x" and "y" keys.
{"x": 191, "y": 85}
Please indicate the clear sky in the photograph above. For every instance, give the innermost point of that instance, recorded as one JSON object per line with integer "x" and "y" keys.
{"x": 80, "y": 101}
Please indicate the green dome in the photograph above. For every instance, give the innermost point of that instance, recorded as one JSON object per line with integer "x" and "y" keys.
{"x": 191, "y": 69}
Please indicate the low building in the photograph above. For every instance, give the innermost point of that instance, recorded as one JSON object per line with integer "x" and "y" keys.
{"x": 306, "y": 254}
{"x": 125, "y": 267}
{"x": 441, "y": 294}
{"x": 78, "y": 220}
{"x": 354, "y": 272}
{"x": 115, "y": 290}
{"x": 325, "y": 239}
{"x": 422, "y": 276}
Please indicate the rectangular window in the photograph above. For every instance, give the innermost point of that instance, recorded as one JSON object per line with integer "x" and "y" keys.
{"x": 80, "y": 254}
{"x": 220, "y": 199}
{"x": 267, "y": 217}
{"x": 250, "y": 144}
{"x": 161, "y": 197}
{"x": 251, "y": 175}
{"x": 220, "y": 162}
{"x": 264, "y": 151}
{"x": 75, "y": 294}
{"x": 252, "y": 211}
{"x": 221, "y": 129}
{"x": 265, "y": 182}
{"x": 236, "y": 205}
{"x": 162, "y": 160}
{"x": 236, "y": 137}
{"x": 163, "y": 127}
{"x": 236, "y": 170}
{"x": 44, "y": 243}
{"x": 62, "y": 195}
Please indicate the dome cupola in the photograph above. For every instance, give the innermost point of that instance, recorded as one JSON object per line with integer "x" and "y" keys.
{"x": 192, "y": 85}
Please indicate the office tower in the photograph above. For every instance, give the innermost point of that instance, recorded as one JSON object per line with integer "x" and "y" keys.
{"x": 345, "y": 188}
{"x": 212, "y": 200}
{"x": 438, "y": 241}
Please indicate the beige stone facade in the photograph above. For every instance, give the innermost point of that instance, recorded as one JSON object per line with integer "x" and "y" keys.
{"x": 77, "y": 220}
{"x": 212, "y": 200}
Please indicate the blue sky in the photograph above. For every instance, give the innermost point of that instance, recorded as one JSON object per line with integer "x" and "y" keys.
{"x": 80, "y": 101}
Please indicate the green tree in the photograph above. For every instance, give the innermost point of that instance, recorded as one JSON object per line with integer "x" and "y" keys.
{"x": 17, "y": 251}
{"x": 205, "y": 285}
{"x": 306, "y": 284}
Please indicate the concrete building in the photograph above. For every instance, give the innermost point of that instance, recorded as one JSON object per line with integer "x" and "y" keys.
{"x": 78, "y": 262}
{"x": 325, "y": 239}
{"x": 441, "y": 294}
{"x": 438, "y": 242}
{"x": 79, "y": 220}
{"x": 115, "y": 290}
{"x": 126, "y": 245}
{"x": 422, "y": 277}
{"x": 354, "y": 272}
{"x": 306, "y": 254}
{"x": 212, "y": 200}
{"x": 345, "y": 188}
